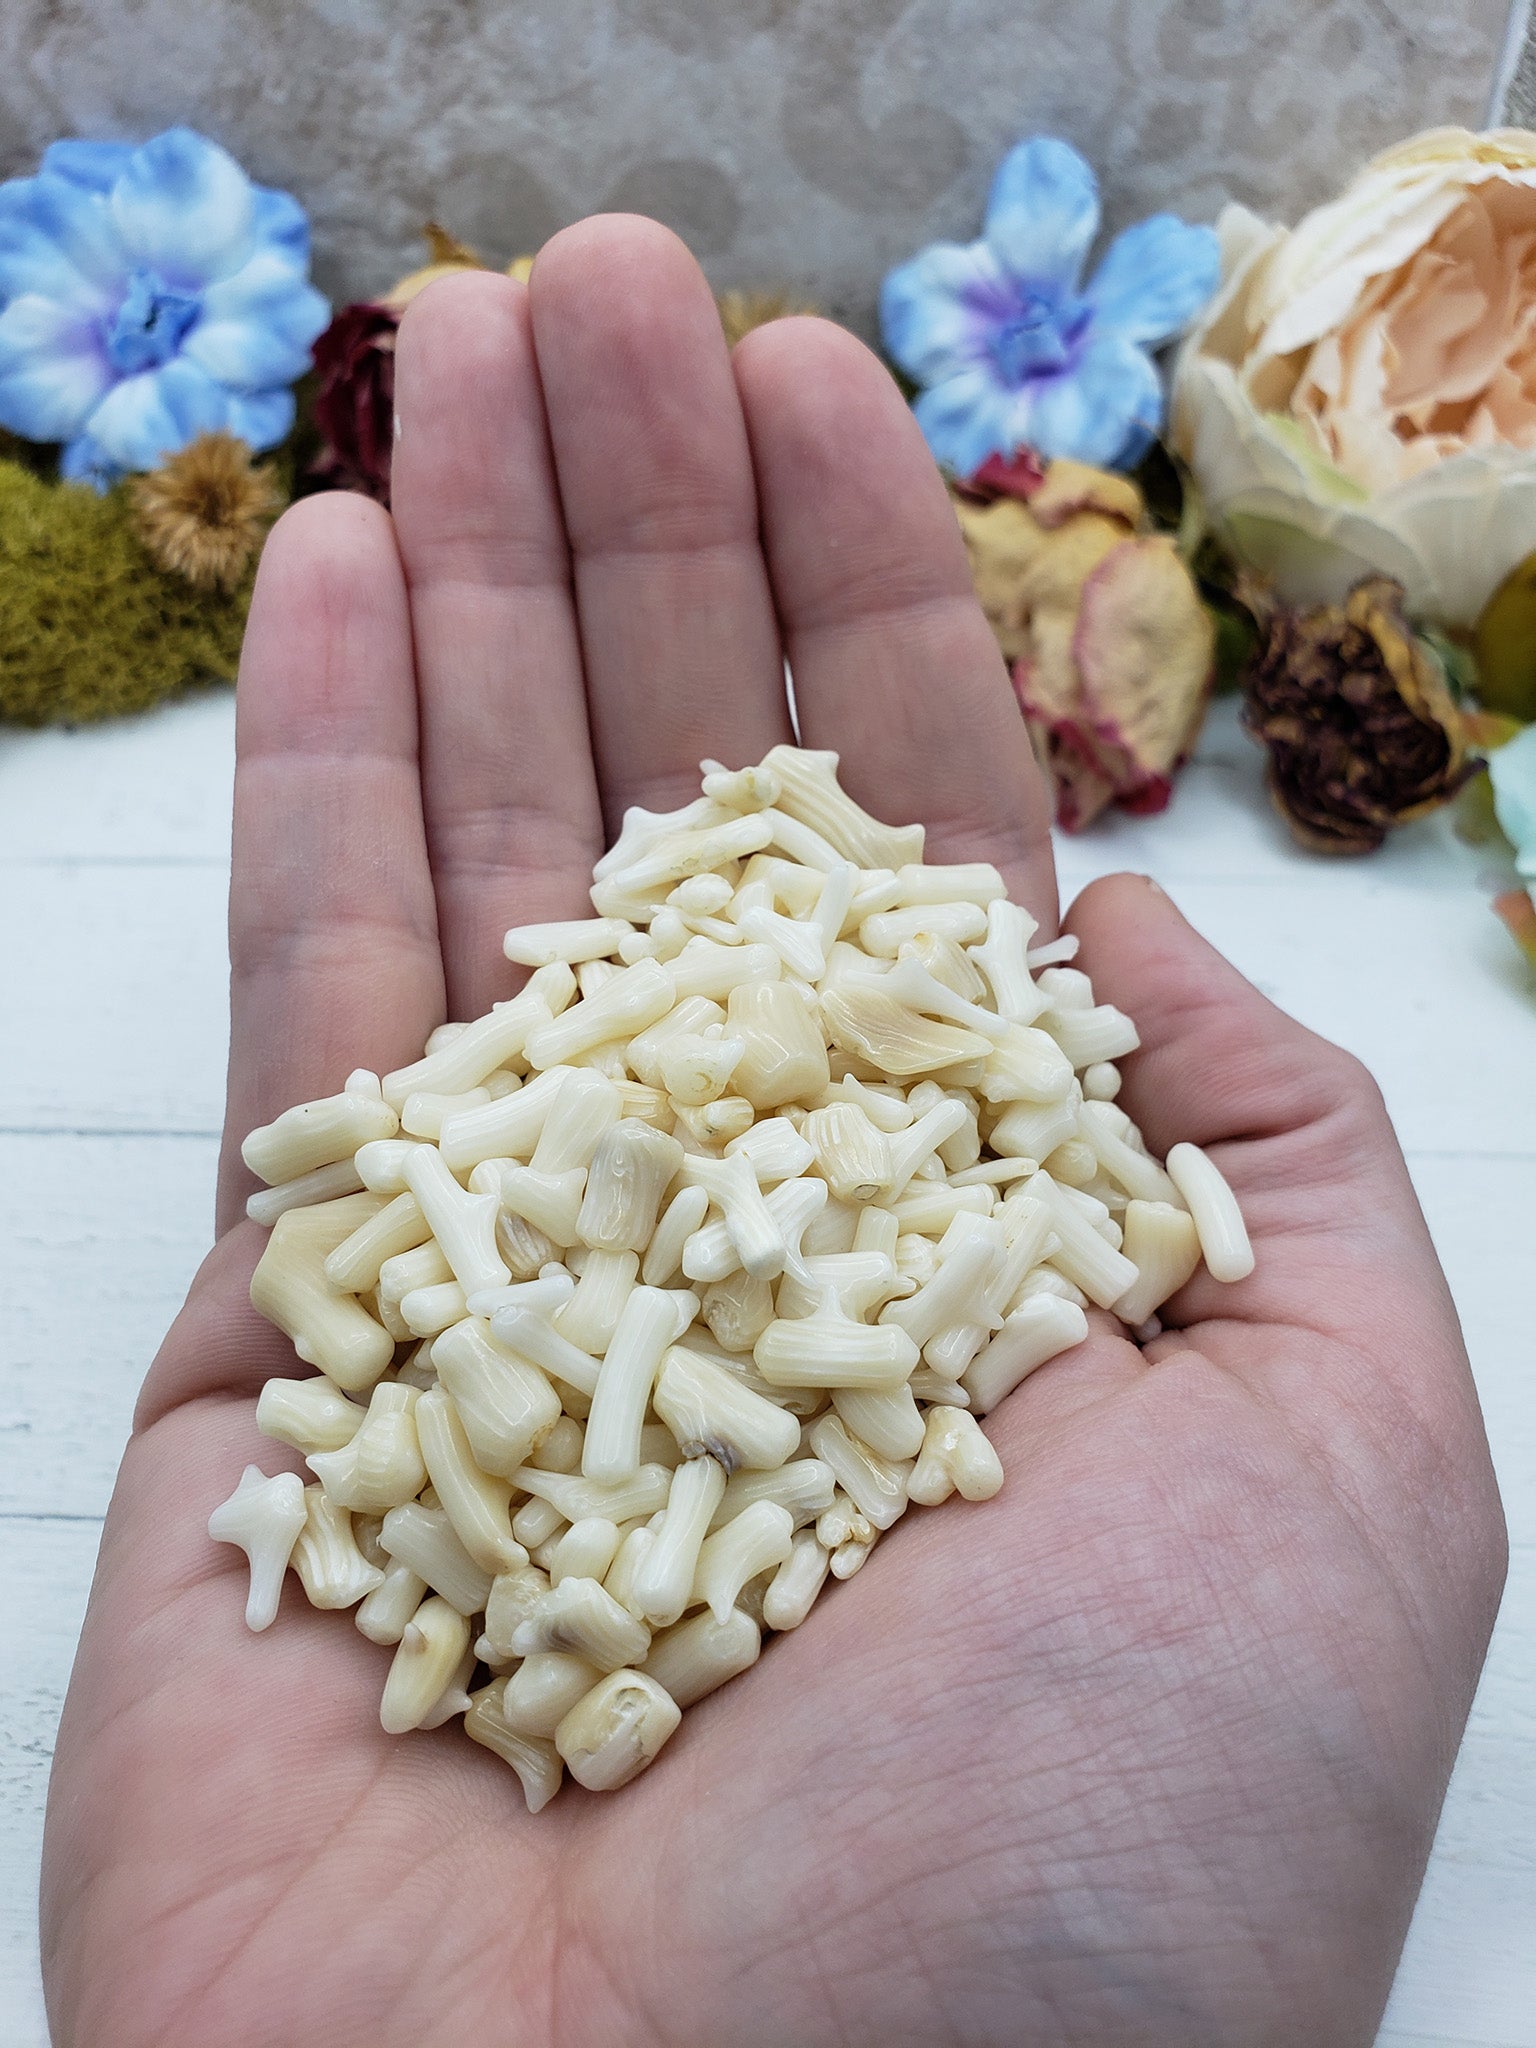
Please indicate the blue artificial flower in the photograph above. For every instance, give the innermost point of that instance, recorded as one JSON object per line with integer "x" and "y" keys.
{"x": 146, "y": 296}
{"x": 1013, "y": 351}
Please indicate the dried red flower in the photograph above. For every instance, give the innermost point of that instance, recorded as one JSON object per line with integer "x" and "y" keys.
{"x": 355, "y": 401}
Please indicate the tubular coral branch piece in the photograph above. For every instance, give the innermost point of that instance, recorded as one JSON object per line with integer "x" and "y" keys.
{"x": 325, "y": 1184}
{"x": 892, "y": 1036}
{"x": 490, "y": 1042}
{"x": 263, "y": 1518}
{"x": 544, "y": 1688}
{"x": 751, "y": 1225}
{"x": 332, "y": 1570}
{"x": 537, "y": 1764}
{"x": 666, "y": 1572}
{"x": 430, "y": 1652}
{"x": 619, "y": 1728}
{"x": 955, "y": 1458}
{"x": 784, "y": 1057}
{"x": 828, "y": 1349}
{"x": 315, "y": 1134}
{"x": 626, "y": 1180}
{"x": 877, "y": 1486}
{"x": 579, "y": 1618}
{"x": 796, "y": 1584}
{"x": 711, "y": 1412}
{"x": 812, "y": 794}
{"x": 463, "y": 1224}
{"x": 329, "y": 1330}
{"x": 649, "y": 1323}
{"x": 1004, "y": 959}
{"x": 312, "y": 1415}
{"x": 1212, "y": 1204}
{"x": 696, "y": 1657}
{"x": 583, "y": 1446}
{"x": 476, "y": 1503}
{"x": 749, "y": 1543}
{"x": 380, "y": 1466}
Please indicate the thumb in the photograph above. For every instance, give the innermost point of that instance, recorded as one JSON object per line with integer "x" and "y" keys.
{"x": 1297, "y": 1125}
{"x": 1219, "y": 1062}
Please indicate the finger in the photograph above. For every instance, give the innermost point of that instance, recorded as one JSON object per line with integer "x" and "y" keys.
{"x": 507, "y": 784}
{"x": 678, "y": 631}
{"x": 1295, "y": 1124}
{"x": 894, "y": 665}
{"x": 1346, "y": 1324}
{"x": 332, "y": 930}
{"x": 1218, "y": 1061}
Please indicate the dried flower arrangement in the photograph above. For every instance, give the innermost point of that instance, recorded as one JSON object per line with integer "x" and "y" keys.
{"x": 1339, "y": 518}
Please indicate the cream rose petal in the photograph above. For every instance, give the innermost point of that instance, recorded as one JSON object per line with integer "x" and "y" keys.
{"x": 1474, "y": 518}
{"x": 1317, "y": 276}
{"x": 1405, "y": 441}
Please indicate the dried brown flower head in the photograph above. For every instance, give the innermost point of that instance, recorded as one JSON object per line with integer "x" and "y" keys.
{"x": 740, "y": 312}
{"x": 204, "y": 512}
{"x": 1361, "y": 729}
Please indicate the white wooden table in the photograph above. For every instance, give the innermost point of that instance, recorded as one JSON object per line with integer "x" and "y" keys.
{"x": 113, "y": 868}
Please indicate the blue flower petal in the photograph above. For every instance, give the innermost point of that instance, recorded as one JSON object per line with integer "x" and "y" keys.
{"x": 280, "y": 223}
{"x": 938, "y": 312}
{"x": 85, "y": 461}
{"x": 77, "y": 223}
{"x": 965, "y": 418}
{"x": 185, "y": 209}
{"x": 1105, "y": 410}
{"x": 261, "y": 418}
{"x": 256, "y": 326}
{"x": 196, "y": 402}
{"x": 31, "y": 258}
{"x": 52, "y": 369}
{"x": 1155, "y": 278}
{"x": 1043, "y": 214}
{"x": 93, "y": 166}
{"x": 144, "y": 419}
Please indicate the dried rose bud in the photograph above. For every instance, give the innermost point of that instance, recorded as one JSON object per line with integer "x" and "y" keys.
{"x": 1101, "y": 624}
{"x": 1360, "y": 727}
{"x": 355, "y": 402}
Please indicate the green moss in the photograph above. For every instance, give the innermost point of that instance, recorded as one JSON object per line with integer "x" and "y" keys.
{"x": 89, "y": 627}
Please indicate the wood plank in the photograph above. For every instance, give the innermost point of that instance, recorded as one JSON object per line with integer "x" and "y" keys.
{"x": 124, "y": 1022}
{"x": 155, "y": 787}
{"x": 42, "y": 1602}
{"x": 1466, "y": 1974}
{"x": 1422, "y": 984}
{"x": 103, "y": 1236}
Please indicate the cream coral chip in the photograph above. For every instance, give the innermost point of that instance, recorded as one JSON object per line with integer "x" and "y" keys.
{"x": 694, "y": 1269}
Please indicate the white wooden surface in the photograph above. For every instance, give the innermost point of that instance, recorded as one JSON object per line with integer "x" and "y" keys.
{"x": 113, "y": 866}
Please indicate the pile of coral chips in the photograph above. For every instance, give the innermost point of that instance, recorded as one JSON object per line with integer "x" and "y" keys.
{"x": 647, "y": 1302}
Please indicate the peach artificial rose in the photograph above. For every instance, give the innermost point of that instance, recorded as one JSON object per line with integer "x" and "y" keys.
{"x": 1361, "y": 396}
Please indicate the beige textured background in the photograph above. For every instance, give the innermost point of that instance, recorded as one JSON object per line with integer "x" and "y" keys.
{"x": 811, "y": 142}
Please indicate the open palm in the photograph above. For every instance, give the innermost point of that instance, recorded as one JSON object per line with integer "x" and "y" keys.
{"x": 1149, "y": 1751}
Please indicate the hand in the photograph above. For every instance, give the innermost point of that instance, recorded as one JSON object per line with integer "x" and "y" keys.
{"x": 1147, "y": 1751}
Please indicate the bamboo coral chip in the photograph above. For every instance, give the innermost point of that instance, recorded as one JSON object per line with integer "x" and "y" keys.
{"x": 679, "y": 1277}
